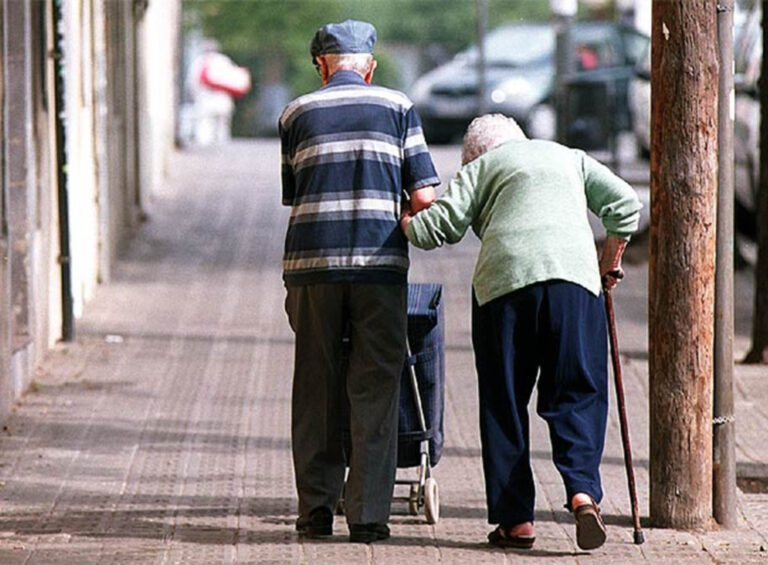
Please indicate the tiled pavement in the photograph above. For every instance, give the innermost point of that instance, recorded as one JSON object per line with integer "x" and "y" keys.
{"x": 161, "y": 436}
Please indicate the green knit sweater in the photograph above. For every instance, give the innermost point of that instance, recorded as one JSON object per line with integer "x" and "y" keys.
{"x": 527, "y": 201}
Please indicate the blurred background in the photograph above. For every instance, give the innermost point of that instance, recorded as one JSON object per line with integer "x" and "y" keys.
{"x": 425, "y": 48}
{"x": 583, "y": 65}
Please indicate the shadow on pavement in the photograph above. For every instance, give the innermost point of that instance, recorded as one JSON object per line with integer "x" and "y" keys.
{"x": 473, "y": 452}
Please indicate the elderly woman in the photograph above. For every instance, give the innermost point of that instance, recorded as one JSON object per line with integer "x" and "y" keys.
{"x": 537, "y": 310}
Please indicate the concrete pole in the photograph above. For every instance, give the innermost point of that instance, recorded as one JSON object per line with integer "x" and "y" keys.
{"x": 723, "y": 440}
{"x": 684, "y": 77}
{"x": 482, "y": 71}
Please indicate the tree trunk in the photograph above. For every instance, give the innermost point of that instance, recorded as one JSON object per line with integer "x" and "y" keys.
{"x": 684, "y": 80}
{"x": 759, "y": 351}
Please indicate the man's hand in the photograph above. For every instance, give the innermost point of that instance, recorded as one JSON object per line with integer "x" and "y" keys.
{"x": 422, "y": 199}
{"x": 610, "y": 262}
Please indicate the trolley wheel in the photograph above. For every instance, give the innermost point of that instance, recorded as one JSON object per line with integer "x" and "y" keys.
{"x": 413, "y": 500}
{"x": 431, "y": 501}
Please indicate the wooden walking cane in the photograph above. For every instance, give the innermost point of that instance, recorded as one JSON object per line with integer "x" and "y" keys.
{"x": 638, "y": 533}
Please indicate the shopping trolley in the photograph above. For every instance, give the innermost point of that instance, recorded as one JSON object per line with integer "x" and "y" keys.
{"x": 422, "y": 401}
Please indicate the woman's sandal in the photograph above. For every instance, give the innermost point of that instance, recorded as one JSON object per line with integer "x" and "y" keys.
{"x": 500, "y": 538}
{"x": 590, "y": 528}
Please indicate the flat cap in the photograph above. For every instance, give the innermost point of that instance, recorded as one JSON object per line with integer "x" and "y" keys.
{"x": 350, "y": 36}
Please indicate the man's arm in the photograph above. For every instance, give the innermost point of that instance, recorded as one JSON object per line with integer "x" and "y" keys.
{"x": 418, "y": 171}
{"x": 286, "y": 166}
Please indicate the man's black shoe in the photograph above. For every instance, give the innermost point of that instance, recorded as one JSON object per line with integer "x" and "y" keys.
{"x": 368, "y": 533}
{"x": 319, "y": 523}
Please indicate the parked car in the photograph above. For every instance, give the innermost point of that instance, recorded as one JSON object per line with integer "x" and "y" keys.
{"x": 748, "y": 51}
{"x": 640, "y": 86}
{"x": 520, "y": 78}
{"x": 746, "y": 148}
{"x": 640, "y": 104}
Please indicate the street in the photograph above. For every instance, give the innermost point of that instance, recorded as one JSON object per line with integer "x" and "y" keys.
{"x": 162, "y": 434}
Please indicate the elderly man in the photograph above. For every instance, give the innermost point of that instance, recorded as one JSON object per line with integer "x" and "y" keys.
{"x": 349, "y": 152}
{"x": 537, "y": 310}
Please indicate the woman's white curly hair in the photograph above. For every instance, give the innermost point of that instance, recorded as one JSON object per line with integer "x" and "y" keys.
{"x": 485, "y": 133}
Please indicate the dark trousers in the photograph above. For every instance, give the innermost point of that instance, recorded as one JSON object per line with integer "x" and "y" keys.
{"x": 374, "y": 316}
{"x": 557, "y": 330}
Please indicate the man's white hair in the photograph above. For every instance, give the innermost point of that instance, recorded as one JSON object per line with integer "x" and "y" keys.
{"x": 485, "y": 133}
{"x": 358, "y": 62}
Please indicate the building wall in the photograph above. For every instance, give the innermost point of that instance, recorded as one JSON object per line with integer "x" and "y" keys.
{"x": 20, "y": 211}
{"x": 5, "y": 268}
{"x": 45, "y": 317}
{"x": 80, "y": 148}
{"x": 159, "y": 73}
{"x": 122, "y": 212}
{"x": 28, "y": 238}
{"x": 118, "y": 120}
{"x": 121, "y": 60}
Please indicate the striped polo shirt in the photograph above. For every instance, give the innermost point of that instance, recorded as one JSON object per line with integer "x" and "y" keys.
{"x": 349, "y": 150}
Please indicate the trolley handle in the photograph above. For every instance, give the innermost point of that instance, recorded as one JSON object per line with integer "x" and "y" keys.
{"x": 415, "y": 388}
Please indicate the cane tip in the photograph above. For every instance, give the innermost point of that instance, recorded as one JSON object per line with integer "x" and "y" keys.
{"x": 639, "y": 537}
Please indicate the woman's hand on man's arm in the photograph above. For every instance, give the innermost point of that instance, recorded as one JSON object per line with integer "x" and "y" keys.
{"x": 448, "y": 217}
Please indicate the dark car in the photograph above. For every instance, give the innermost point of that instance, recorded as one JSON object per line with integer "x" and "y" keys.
{"x": 748, "y": 52}
{"x": 520, "y": 80}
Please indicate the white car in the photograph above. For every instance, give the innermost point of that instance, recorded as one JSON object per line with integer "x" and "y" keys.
{"x": 747, "y": 54}
{"x": 640, "y": 104}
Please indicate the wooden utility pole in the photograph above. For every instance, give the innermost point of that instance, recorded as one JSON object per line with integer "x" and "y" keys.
{"x": 684, "y": 79}
{"x": 759, "y": 351}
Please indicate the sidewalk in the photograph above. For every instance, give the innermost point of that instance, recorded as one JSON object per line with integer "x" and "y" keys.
{"x": 162, "y": 435}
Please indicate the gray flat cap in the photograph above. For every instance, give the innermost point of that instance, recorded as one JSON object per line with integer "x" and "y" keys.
{"x": 350, "y": 36}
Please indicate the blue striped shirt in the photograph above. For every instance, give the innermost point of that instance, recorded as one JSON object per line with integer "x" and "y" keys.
{"x": 349, "y": 150}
